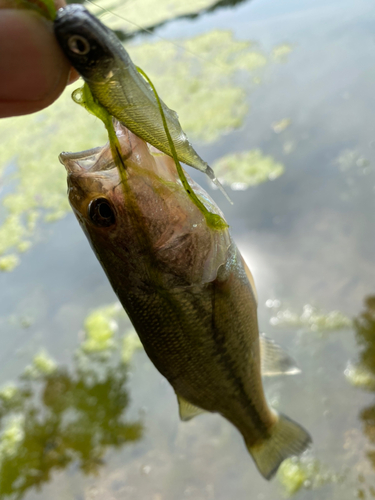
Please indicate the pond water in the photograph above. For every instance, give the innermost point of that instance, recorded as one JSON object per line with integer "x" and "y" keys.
{"x": 83, "y": 413}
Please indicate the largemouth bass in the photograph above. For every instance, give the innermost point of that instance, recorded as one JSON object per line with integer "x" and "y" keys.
{"x": 100, "y": 58}
{"x": 185, "y": 287}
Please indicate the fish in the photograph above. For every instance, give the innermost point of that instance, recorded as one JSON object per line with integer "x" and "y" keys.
{"x": 115, "y": 82}
{"x": 186, "y": 289}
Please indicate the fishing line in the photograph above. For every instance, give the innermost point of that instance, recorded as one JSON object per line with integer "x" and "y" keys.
{"x": 213, "y": 220}
{"x": 158, "y": 36}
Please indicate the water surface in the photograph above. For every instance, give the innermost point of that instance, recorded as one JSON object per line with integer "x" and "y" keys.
{"x": 90, "y": 424}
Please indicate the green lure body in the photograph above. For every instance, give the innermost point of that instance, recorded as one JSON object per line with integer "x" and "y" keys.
{"x": 116, "y": 84}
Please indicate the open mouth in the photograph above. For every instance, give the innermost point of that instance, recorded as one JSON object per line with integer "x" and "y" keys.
{"x": 99, "y": 158}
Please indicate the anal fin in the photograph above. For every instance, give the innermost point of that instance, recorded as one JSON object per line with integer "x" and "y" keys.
{"x": 187, "y": 410}
{"x": 274, "y": 360}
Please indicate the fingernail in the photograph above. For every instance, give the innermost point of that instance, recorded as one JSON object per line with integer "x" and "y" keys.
{"x": 73, "y": 76}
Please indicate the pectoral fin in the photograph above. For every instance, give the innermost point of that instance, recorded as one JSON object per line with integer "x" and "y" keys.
{"x": 275, "y": 361}
{"x": 187, "y": 410}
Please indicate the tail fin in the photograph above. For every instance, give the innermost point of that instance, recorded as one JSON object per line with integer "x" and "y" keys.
{"x": 287, "y": 439}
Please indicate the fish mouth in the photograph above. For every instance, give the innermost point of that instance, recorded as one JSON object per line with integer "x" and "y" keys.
{"x": 82, "y": 161}
{"x": 100, "y": 158}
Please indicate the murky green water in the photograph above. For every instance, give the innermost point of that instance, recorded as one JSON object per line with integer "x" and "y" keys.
{"x": 285, "y": 90}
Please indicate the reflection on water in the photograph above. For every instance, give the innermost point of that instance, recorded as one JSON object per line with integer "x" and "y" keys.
{"x": 147, "y": 30}
{"x": 364, "y": 326}
{"x": 55, "y": 417}
{"x": 361, "y": 373}
{"x": 365, "y": 336}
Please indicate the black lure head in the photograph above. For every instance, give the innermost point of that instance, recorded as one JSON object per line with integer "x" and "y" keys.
{"x": 89, "y": 45}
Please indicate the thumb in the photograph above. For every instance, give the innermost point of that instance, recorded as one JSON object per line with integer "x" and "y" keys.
{"x": 33, "y": 70}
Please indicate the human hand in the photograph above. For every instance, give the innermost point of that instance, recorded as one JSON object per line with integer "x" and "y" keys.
{"x": 33, "y": 69}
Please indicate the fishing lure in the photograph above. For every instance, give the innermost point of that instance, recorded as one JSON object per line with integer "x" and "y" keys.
{"x": 117, "y": 85}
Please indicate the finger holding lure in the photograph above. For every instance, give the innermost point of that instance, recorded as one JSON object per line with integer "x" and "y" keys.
{"x": 115, "y": 82}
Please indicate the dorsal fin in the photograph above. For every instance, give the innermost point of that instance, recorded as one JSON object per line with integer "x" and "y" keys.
{"x": 274, "y": 360}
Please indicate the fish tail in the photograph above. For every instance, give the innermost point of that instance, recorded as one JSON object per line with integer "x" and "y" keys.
{"x": 211, "y": 174}
{"x": 287, "y": 438}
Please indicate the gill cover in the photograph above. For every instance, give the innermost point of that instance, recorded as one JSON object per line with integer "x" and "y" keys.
{"x": 186, "y": 229}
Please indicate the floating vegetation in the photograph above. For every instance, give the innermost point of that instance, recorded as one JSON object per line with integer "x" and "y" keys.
{"x": 9, "y": 262}
{"x": 305, "y": 472}
{"x": 292, "y": 476}
{"x": 41, "y": 366}
{"x": 281, "y": 52}
{"x": 130, "y": 344}
{"x": 36, "y": 182}
{"x": 202, "y": 77}
{"x": 101, "y": 338}
{"x": 249, "y": 168}
{"x": 11, "y": 436}
{"x": 310, "y": 318}
{"x": 8, "y": 392}
{"x": 351, "y": 158}
{"x": 55, "y": 417}
{"x": 281, "y": 125}
{"x": 100, "y": 327}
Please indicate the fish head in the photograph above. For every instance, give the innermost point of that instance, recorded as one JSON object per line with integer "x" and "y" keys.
{"x": 141, "y": 222}
{"x": 105, "y": 201}
{"x": 90, "y": 191}
{"x": 87, "y": 43}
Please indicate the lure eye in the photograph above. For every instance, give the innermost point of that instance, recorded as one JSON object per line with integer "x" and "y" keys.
{"x": 101, "y": 213}
{"x": 79, "y": 45}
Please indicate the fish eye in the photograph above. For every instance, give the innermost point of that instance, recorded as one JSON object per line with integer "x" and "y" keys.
{"x": 79, "y": 45}
{"x": 101, "y": 213}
